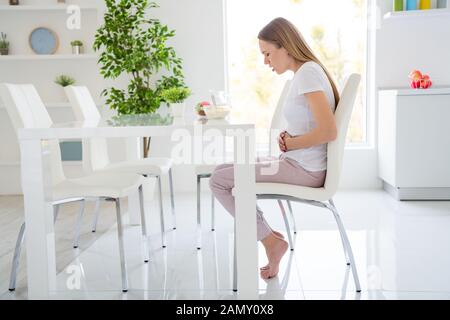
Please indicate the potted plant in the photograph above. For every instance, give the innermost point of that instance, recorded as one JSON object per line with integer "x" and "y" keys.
{"x": 64, "y": 80}
{"x": 175, "y": 98}
{"x": 77, "y": 47}
{"x": 4, "y": 45}
{"x": 133, "y": 45}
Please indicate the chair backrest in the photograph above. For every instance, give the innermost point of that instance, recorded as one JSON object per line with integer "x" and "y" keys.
{"x": 26, "y": 110}
{"x": 336, "y": 147}
{"x": 278, "y": 122}
{"x": 95, "y": 150}
{"x": 83, "y": 105}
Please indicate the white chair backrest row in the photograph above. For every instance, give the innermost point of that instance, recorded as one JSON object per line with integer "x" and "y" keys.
{"x": 95, "y": 150}
{"x": 27, "y": 110}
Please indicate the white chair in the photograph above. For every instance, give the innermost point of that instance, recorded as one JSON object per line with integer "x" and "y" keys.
{"x": 26, "y": 110}
{"x": 95, "y": 153}
{"x": 205, "y": 170}
{"x": 322, "y": 197}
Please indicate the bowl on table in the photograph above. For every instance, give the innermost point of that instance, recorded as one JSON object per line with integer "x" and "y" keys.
{"x": 217, "y": 112}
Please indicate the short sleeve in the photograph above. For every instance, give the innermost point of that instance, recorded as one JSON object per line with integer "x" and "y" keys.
{"x": 310, "y": 79}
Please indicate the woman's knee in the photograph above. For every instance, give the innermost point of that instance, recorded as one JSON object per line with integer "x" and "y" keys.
{"x": 220, "y": 179}
{"x": 222, "y": 166}
{"x": 213, "y": 180}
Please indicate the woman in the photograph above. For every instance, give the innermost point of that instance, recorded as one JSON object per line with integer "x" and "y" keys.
{"x": 308, "y": 109}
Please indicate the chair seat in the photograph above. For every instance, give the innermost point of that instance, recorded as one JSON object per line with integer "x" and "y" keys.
{"x": 205, "y": 168}
{"x": 307, "y": 193}
{"x": 98, "y": 185}
{"x": 151, "y": 166}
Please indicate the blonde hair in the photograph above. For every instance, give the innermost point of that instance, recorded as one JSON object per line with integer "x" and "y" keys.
{"x": 283, "y": 33}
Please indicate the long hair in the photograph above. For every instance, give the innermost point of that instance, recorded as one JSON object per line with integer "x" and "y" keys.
{"x": 284, "y": 34}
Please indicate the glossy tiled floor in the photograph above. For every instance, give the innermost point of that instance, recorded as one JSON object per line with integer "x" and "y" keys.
{"x": 401, "y": 251}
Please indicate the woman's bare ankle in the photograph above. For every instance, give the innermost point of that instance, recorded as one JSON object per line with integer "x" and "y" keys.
{"x": 275, "y": 250}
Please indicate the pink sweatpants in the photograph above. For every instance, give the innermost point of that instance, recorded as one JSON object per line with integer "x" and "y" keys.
{"x": 287, "y": 171}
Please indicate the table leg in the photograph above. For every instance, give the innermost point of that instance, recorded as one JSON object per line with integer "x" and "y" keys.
{"x": 134, "y": 152}
{"x": 245, "y": 219}
{"x": 39, "y": 233}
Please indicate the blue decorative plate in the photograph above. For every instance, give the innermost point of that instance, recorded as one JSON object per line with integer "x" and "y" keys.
{"x": 43, "y": 41}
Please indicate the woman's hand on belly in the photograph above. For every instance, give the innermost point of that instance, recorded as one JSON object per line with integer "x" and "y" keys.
{"x": 282, "y": 141}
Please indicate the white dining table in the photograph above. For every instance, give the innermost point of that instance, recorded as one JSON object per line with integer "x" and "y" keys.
{"x": 36, "y": 178}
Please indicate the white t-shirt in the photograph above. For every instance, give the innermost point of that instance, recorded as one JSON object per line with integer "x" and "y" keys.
{"x": 309, "y": 78}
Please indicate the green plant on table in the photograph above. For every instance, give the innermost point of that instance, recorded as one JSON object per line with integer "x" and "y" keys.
{"x": 176, "y": 94}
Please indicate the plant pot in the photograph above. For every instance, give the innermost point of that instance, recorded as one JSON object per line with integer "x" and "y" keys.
{"x": 77, "y": 49}
{"x": 4, "y": 51}
{"x": 177, "y": 109}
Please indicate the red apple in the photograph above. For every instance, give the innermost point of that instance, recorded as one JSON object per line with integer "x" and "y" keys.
{"x": 415, "y": 84}
{"x": 425, "y": 83}
{"x": 415, "y": 75}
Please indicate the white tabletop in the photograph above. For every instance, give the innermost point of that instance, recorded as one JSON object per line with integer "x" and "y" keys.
{"x": 131, "y": 126}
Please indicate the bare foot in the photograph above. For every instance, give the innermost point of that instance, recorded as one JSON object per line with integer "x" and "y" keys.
{"x": 275, "y": 250}
{"x": 278, "y": 235}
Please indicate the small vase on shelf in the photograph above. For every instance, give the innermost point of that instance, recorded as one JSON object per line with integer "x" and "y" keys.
{"x": 398, "y": 5}
{"x": 411, "y": 4}
{"x": 442, "y": 4}
{"x": 77, "y": 47}
{"x": 425, "y": 4}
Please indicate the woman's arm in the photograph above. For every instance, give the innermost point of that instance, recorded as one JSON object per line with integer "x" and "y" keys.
{"x": 324, "y": 132}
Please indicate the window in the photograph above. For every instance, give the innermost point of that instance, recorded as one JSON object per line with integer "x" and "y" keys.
{"x": 336, "y": 31}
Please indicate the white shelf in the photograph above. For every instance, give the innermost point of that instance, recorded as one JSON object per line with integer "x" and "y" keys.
{"x": 418, "y": 92}
{"x": 417, "y": 14}
{"x": 62, "y": 7}
{"x": 22, "y": 57}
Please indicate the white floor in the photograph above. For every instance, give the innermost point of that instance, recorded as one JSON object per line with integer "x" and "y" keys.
{"x": 401, "y": 251}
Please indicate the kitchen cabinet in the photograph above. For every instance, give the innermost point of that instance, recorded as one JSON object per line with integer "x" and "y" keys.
{"x": 414, "y": 143}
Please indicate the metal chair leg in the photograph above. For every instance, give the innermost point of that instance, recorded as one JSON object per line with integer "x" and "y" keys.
{"x": 143, "y": 225}
{"x": 292, "y": 216}
{"x": 18, "y": 249}
{"x": 235, "y": 288}
{"x": 123, "y": 263}
{"x": 346, "y": 244}
{"x": 55, "y": 212}
{"x": 161, "y": 213}
{"x": 79, "y": 222}
{"x": 199, "y": 225}
{"x": 213, "y": 214}
{"x": 15, "y": 262}
{"x": 286, "y": 222}
{"x": 96, "y": 214}
{"x": 172, "y": 202}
